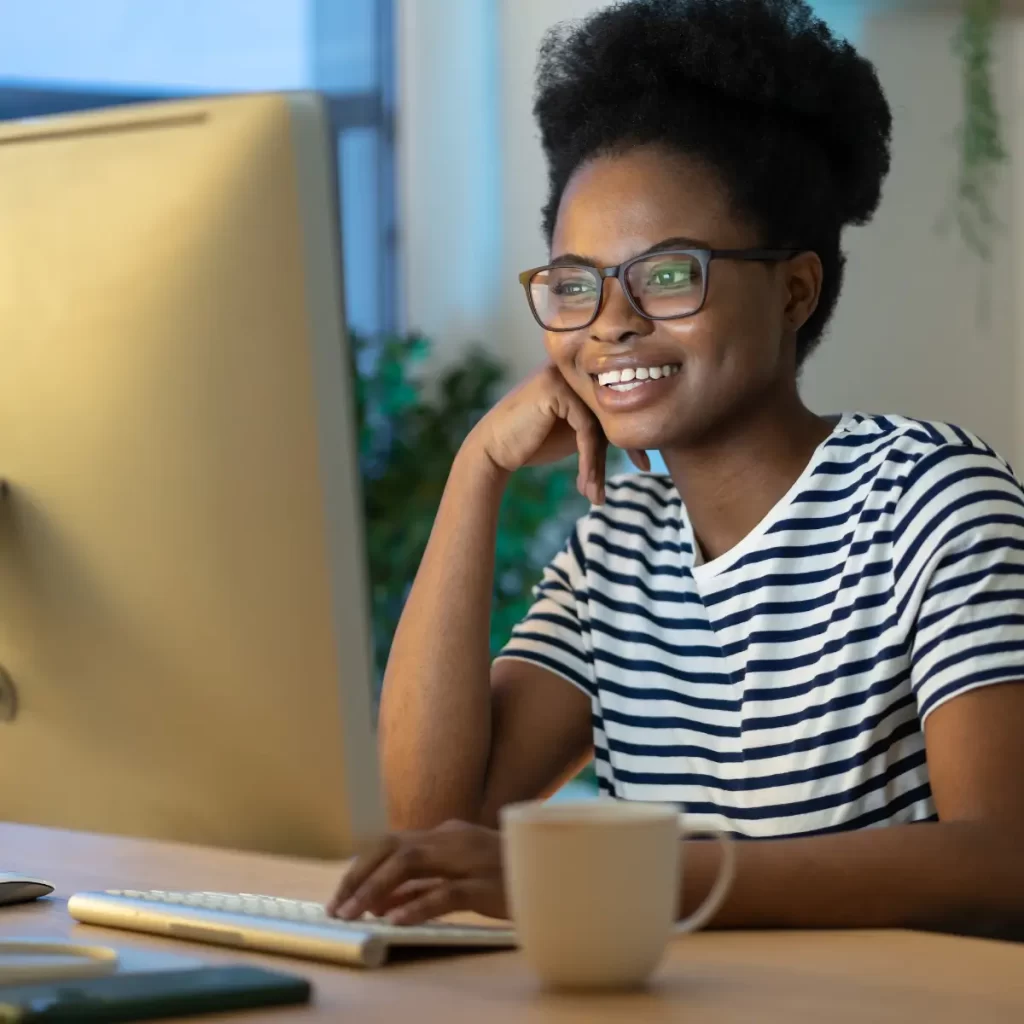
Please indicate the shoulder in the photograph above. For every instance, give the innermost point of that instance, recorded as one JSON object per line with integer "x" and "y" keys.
{"x": 945, "y": 484}
{"x": 914, "y": 450}
{"x": 861, "y": 430}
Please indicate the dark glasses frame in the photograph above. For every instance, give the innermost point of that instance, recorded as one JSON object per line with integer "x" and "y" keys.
{"x": 703, "y": 256}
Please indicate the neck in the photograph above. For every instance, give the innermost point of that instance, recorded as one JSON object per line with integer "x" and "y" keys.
{"x": 730, "y": 481}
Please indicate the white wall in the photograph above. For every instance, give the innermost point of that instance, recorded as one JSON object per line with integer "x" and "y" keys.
{"x": 923, "y": 328}
{"x": 1013, "y": 95}
{"x": 210, "y": 45}
{"x": 523, "y": 24}
{"x": 471, "y": 172}
{"x": 450, "y": 169}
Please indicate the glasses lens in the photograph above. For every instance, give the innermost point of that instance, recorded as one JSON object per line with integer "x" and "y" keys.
{"x": 667, "y": 284}
{"x": 565, "y": 298}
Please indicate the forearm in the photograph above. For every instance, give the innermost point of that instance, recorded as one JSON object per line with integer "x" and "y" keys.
{"x": 959, "y": 876}
{"x": 435, "y": 720}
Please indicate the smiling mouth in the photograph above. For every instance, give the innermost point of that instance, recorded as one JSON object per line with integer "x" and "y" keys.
{"x": 630, "y": 378}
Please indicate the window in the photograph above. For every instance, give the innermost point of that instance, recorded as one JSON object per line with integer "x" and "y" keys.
{"x": 342, "y": 50}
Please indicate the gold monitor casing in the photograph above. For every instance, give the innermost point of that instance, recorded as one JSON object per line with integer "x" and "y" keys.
{"x": 183, "y": 598}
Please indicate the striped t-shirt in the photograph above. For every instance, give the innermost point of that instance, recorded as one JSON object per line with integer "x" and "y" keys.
{"x": 781, "y": 688}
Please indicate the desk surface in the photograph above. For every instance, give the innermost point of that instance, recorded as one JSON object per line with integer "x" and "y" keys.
{"x": 711, "y": 977}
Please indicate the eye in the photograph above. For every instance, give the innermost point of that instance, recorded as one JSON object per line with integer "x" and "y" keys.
{"x": 670, "y": 275}
{"x": 573, "y": 287}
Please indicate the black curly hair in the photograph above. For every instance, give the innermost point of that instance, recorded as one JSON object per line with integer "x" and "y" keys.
{"x": 791, "y": 118}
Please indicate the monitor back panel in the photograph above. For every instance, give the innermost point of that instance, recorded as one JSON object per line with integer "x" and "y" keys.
{"x": 182, "y": 580}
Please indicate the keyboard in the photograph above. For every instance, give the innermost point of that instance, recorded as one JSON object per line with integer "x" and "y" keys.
{"x": 272, "y": 925}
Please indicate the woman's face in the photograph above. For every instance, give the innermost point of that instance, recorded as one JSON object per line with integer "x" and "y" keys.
{"x": 729, "y": 358}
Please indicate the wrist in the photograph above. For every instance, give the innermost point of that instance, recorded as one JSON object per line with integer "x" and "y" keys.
{"x": 475, "y": 463}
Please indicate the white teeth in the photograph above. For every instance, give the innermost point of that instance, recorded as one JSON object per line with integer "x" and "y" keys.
{"x": 632, "y": 374}
{"x": 628, "y": 386}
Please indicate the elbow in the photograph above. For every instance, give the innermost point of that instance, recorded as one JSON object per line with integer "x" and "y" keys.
{"x": 980, "y": 923}
{"x": 988, "y": 896}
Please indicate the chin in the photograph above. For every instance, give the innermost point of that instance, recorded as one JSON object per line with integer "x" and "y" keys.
{"x": 649, "y": 437}
{"x": 638, "y": 440}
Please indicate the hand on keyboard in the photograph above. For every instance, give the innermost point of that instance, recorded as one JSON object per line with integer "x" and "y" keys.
{"x": 412, "y": 877}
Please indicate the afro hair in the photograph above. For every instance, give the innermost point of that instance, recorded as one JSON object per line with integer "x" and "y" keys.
{"x": 792, "y": 119}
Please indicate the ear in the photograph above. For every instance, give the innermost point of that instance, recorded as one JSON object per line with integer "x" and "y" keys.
{"x": 804, "y": 274}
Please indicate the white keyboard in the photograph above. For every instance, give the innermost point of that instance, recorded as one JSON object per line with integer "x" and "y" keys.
{"x": 271, "y": 925}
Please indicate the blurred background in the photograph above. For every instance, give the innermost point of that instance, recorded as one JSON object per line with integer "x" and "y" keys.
{"x": 441, "y": 184}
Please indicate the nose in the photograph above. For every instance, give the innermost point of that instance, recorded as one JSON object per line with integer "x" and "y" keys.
{"x": 618, "y": 321}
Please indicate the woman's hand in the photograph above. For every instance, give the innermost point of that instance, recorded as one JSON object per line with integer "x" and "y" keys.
{"x": 544, "y": 420}
{"x": 412, "y": 877}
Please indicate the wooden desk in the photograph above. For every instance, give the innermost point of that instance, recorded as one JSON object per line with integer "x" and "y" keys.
{"x": 765, "y": 977}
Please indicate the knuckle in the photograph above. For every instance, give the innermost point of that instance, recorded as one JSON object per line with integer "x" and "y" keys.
{"x": 371, "y": 892}
{"x": 409, "y": 857}
{"x": 440, "y": 898}
{"x": 455, "y": 896}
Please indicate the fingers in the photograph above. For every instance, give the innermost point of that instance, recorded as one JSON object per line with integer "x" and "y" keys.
{"x": 598, "y": 462}
{"x": 408, "y": 861}
{"x": 406, "y": 893}
{"x": 361, "y": 870}
{"x": 591, "y": 444}
{"x": 640, "y": 459}
{"x": 416, "y": 875}
{"x": 443, "y": 898}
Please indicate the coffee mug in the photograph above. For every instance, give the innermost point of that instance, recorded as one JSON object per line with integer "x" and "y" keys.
{"x": 593, "y": 888}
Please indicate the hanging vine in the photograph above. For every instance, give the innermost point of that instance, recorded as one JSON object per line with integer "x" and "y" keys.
{"x": 982, "y": 149}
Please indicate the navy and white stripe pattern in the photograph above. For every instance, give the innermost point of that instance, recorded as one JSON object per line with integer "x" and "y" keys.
{"x": 781, "y": 688}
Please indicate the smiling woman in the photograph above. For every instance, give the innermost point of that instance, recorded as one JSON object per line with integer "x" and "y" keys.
{"x": 811, "y": 628}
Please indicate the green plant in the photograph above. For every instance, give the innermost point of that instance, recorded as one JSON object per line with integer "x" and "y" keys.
{"x": 410, "y": 429}
{"x": 982, "y": 149}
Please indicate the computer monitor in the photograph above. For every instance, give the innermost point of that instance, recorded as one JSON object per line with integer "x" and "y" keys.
{"x": 183, "y": 597}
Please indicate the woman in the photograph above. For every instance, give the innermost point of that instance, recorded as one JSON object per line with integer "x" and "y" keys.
{"x": 810, "y": 628}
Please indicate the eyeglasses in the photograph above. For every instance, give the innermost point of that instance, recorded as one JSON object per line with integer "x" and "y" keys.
{"x": 666, "y": 285}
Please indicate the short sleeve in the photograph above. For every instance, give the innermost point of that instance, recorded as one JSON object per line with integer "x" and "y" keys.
{"x": 555, "y": 632}
{"x": 958, "y": 553}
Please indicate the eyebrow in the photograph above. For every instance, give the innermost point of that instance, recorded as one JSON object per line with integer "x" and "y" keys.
{"x": 679, "y": 242}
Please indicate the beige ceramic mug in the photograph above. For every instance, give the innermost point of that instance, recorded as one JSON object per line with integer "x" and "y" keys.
{"x": 593, "y": 888}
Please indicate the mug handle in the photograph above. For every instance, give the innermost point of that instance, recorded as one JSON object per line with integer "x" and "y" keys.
{"x": 723, "y": 880}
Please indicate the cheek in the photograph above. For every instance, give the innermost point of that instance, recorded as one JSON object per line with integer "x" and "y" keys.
{"x": 734, "y": 342}
{"x": 745, "y": 328}
{"x": 562, "y": 350}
